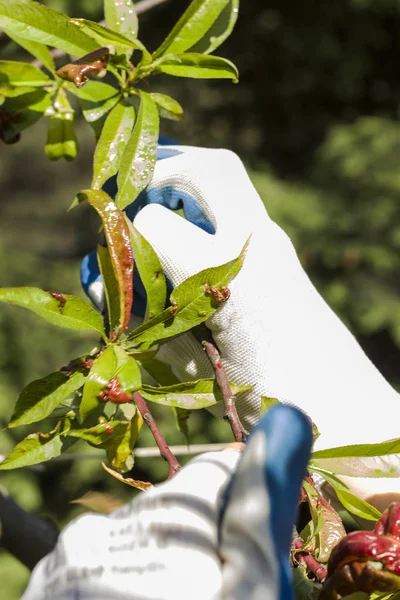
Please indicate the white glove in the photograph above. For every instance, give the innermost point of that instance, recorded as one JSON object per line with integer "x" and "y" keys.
{"x": 275, "y": 332}
{"x": 193, "y": 537}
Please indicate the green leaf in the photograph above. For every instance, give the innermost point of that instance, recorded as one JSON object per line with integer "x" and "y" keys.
{"x": 190, "y": 395}
{"x": 351, "y": 502}
{"x": 103, "y": 369}
{"x": 99, "y": 435}
{"x": 105, "y": 36}
{"x": 361, "y": 460}
{"x": 119, "y": 247}
{"x": 220, "y": 30}
{"x": 119, "y": 451}
{"x": 191, "y": 304}
{"x": 358, "y": 507}
{"x": 168, "y": 107}
{"x": 96, "y": 99}
{"x": 110, "y": 287}
{"x": 38, "y": 400}
{"x": 182, "y": 418}
{"x": 138, "y": 160}
{"x": 23, "y": 111}
{"x": 40, "y": 51}
{"x": 198, "y": 66}
{"x": 14, "y": 73}
{"x": 267, "y": 403}
{"x": 113, "y": 362}
{"x": 61, "y": 139}
{"x": 112, "y": 142}
{"x": 62, "y": 310}
{"x": 34, "y": 449}
{"x": 122, "y": 17}
{"x": 150, "y": 271}
{"x": 159, "y": 371}
{"x": 32, "y": 21}
{"x": 192, "y": 26}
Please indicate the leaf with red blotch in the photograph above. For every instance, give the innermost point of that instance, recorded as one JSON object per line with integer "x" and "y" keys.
{"x": 120, "y": 251}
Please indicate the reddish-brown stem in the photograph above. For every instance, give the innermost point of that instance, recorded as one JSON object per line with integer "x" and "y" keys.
{"x": 231, "y": 415}
{"x": 165, "y": 451}
{"x": 309, "y": 562}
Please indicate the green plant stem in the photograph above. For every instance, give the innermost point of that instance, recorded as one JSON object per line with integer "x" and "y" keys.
{"x": 309, "y": 562}
{"x": 165, "y": 451}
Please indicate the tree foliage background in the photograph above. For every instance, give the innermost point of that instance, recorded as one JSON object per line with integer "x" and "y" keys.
{"x": 314, "y": 117}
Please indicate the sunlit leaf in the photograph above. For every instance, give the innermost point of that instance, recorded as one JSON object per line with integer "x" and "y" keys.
{"x": 122, "y": 17}
{"x": 144, "y": 486}
{"x": 61, "y": 138}
{"x": 139, "y": 158}
{"x": 105, "y": 36}
{"x": 40, "y": 51}
{"x": 103, "y": 369}
{"x": 361, "y": 460}
{"x": 14, "y": 73}
{"x": 96, "y": 99}
{"x": 168, "y": 107}
{"x": 150, "y": 271}
{"x": 100, "y": 435}
{"x": 119, "y": 247}
{"x": 190, "y": 395}
{"x": 112, "y": 142}
{"x": 191, "y": 304}
{"x": 119, "y": 451}
{"x": 38, "y": 400}
{"x": 192, "y": 26}
{"x": 111, "y": 288}
{"x": 267, "y": 403}
{"x": 62, "y": 310}
{"x": 220, "y": 30}
{"x": 32, "y": 21}
{"x": 99, "y": 502}
{"x": 198, "y": 66}
{"x": 34, "y": 449}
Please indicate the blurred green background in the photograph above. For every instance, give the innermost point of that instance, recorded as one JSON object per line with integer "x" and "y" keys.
{"x": 314, "y": 117}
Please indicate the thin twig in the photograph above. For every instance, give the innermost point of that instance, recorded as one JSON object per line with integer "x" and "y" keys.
{"x": 25, "y": 536}
{"x": 204, "y": 336}
{"x": 165, "y": 450}
{"x": 309, "y": 562}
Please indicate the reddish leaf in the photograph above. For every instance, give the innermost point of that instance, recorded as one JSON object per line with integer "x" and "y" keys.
{"x": 94, "y": 63}
{"x": 119, "y": 247}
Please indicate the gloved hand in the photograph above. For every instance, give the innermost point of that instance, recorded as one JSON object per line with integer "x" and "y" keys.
{"x": 201, "y": 535}
{"x": 275, "y": 332}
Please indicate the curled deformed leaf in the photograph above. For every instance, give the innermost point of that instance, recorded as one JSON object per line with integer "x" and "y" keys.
{"x": 62, "y": 310}
{"x": 119, "y": 451}
{"x": 139, "y": 158}
{"x": 77, "y": 72}
{"x": 119, "y": 247}
{"x": 144, "y": 486}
